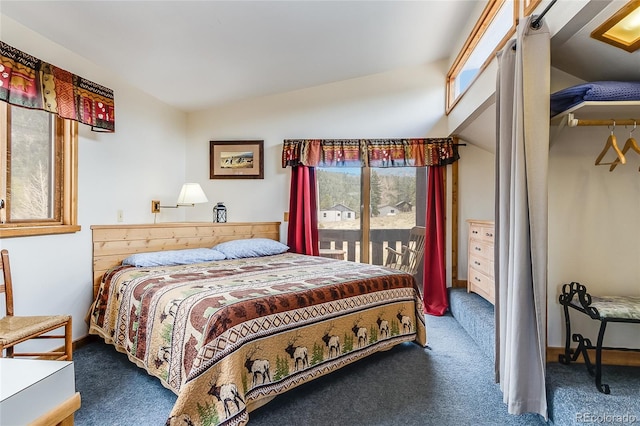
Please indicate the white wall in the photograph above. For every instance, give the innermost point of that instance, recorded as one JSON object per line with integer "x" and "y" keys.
{"x": 593, "y": 228}
{"x": 476, "y": 200}
{"x": 402, "y": 103}
{"x": 143, "y": 159}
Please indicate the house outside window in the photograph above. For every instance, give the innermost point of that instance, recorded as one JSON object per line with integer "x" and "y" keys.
{"x": 38, "y": 173}
{"x": 362, "y": 196}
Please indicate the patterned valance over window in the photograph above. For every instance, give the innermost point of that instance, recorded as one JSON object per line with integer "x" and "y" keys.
{"x": 28, "y": 82}
{"x": 369, "y": 152}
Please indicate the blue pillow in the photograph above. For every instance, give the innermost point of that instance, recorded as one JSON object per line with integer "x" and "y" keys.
{"x": 251, "y": 247}
{"x": 173, "y": 257}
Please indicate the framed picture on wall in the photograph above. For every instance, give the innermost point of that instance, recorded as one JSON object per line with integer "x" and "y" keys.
{"x": 236, "y": 159}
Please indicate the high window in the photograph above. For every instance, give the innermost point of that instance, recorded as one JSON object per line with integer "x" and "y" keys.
{"x": 38, "y": 173}
{"x": 495, "y": 26}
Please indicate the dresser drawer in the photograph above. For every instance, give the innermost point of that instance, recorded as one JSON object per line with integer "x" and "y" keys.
{"x": 475, "y": 232}
{"x": 486, "y": 234}
{"x": 481, "y": 284}
{"x": 481, "y": 264}
{"x": 481, "y": 232}
{"x": 480, "y": 249}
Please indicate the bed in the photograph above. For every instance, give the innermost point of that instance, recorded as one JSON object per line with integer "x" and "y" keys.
{"x": 229, "y": 335}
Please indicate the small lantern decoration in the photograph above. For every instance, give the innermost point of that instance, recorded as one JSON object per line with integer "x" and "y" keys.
{"x": 220, "y": 213}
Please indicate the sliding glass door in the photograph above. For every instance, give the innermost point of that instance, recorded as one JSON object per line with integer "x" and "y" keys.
{"x": 340, "y": 212}
{"x": 364, "y": 210}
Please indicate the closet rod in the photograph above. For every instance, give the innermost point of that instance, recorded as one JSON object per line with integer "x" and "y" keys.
{"x": 574, "y": 122}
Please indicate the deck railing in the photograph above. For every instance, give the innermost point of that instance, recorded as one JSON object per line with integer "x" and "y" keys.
{"x": 348, "y": 240}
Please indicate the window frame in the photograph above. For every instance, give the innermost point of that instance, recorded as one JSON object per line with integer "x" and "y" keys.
{"x": 66, "y": 180}
{"x": 482, "y": 25}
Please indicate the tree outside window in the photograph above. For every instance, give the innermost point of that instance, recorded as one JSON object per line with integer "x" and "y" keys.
{"x": 38, "y": 172}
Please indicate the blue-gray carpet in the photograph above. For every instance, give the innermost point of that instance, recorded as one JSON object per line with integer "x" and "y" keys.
{"x": 449, "y": 383}
{"x": 572, "y": 396}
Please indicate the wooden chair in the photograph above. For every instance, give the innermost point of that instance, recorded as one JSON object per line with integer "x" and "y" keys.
{"x": 410, "y": 257}
{"x": 18, "y": 329}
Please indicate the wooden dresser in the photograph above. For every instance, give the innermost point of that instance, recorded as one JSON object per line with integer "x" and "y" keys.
{"x": 480, "y": 271}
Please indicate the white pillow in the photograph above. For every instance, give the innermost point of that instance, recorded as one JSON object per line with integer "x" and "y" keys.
{"x": 251, "y": 247}
{"x": 173, "y": 257}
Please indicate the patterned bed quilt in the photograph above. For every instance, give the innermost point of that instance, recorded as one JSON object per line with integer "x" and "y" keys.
{"x": 228, "y": 336}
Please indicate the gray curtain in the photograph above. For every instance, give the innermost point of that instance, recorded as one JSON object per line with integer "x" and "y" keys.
{"x": 522, "y": 153}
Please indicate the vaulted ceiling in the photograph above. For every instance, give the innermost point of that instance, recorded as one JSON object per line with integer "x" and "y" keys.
{"x": 196, "y": 54}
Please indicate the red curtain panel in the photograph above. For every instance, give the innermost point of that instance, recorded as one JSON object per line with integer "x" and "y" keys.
{"x": 435, "y": 284}
{"x": 302, "y": 235}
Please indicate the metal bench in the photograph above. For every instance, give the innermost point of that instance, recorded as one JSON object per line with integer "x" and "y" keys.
{"x": 605, "y": 309}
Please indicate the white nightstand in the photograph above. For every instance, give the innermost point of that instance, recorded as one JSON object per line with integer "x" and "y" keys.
{"x": 37, "y": 392}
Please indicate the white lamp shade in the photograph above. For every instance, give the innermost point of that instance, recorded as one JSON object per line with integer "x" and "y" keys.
{"x": 191, "y": 193}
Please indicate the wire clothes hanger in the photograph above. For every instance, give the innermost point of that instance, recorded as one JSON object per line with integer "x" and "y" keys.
{"x": 611, "y": 143}
{"x": 629, "y": 144}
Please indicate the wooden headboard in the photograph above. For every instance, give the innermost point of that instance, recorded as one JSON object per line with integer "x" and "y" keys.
{"x": 113, "y": 243}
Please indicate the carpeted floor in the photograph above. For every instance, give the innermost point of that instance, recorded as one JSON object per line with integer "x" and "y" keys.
{"x": 572, "y": 396}
{"x": 449, "y": 383}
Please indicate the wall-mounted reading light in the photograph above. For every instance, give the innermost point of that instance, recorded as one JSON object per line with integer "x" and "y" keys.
{"x": 622, "y": 29}
{"x": 190, "y": 195}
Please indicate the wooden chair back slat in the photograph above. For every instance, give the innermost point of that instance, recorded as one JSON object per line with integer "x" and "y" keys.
{"x": 40, "y": 328}
{"x": 416, "y": 248}
{"x": 6, "y": 286}
{"x": 410, "y": 258}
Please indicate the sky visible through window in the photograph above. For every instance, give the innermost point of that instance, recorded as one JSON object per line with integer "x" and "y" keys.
{"x": 498, "y": 28}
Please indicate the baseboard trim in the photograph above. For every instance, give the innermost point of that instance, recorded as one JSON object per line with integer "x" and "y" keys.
{"x": 89, "y": 338}
{"x": 77, "y": 344}
{"x": 459, "y": 283}
{"x": 609, "y": 357}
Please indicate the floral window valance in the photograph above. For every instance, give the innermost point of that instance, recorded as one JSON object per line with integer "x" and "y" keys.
{"x": 369, "y": 152}
{"x": 28, "y": 82}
